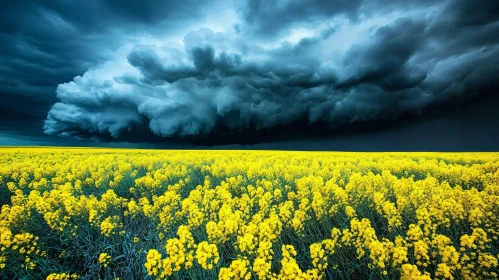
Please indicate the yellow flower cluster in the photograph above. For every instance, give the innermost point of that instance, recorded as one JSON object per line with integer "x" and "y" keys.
{"x": 104, "y": 259}
{"x": 248, "y": 214}
{"x": 207, "y": 255}
{"x": 62, "y": 276}
{"x": 239, "y": 269}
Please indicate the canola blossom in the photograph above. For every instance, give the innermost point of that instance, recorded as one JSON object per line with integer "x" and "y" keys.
{"x": 77, "y": 213}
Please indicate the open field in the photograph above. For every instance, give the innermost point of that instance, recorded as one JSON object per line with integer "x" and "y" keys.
{"x": 134, "y": 214}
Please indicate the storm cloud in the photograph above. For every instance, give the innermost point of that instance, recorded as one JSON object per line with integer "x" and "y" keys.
{"x": 239, "y": 72}
{"x": 45, "y": 43}
{"x": 323, "y": 64}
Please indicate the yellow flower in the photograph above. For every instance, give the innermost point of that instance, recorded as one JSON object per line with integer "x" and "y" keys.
{"x": 411, "y": 272}
{"x": 238, "y": 270}
{"x": 350, "y": 211}
{"x": 62, "y": 276}
{"x": 104, "y": 259}
{"x": 153, "y": 263}
{"x": 318, "y": 256}
{"x": 207, "y": 255}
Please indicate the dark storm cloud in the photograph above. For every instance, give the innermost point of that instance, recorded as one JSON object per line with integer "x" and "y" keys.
{"x": 270, "y": 17}
{"x": 480, "y": 12}
{"x": 225, "y": 88}
{"x": 384, "y": 61}
{"x": 150, "y": 65}
{"x": 44, "y": 43}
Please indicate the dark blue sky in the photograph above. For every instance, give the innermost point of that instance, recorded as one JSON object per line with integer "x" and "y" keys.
{"x": 332, "y": 75}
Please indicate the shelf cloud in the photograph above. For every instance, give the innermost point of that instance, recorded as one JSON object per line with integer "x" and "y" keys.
{"x": 230, "y": 72}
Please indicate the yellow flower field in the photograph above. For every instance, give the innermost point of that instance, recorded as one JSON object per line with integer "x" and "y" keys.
{"x": 71, "y": 213}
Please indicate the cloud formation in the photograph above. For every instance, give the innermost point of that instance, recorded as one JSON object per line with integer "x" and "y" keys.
{"x": 324, "y": 66}
{"x": 45, "y": 43}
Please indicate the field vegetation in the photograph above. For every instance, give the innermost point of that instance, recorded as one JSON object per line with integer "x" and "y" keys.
{"x": 69, "y": 213}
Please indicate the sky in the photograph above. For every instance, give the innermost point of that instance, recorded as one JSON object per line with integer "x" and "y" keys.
{"x": 362, "y": 75}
